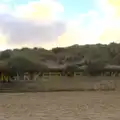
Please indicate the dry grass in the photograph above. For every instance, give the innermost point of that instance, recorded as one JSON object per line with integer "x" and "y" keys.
{"x": 57, "y": 83}
{"x": 60, "y": 106}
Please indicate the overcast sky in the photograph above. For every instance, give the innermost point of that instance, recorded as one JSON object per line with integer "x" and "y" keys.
{"x": 53, "y": 23}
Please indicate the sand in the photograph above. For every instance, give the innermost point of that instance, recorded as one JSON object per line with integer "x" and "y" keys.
{"x": 60, "y": 106}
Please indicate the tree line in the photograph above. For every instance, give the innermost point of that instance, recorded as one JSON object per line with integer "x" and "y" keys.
{"x": 73, "y": 58}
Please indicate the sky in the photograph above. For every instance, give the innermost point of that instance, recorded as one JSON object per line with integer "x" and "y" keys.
{"x": 58, "y": 23}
